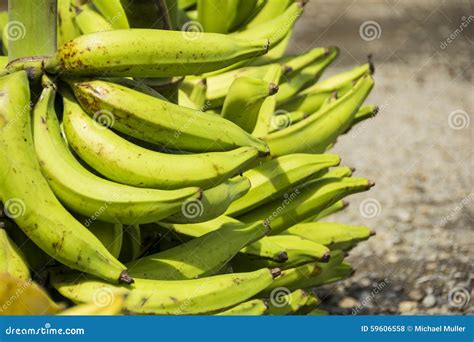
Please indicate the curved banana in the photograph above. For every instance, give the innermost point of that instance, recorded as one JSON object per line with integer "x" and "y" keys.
{"x": 268, "y": 11}
{"x": 339, "y": 172}
{"x": 305, "y": 201}
{"x": 200, "y": 257}
{"x": 297, "y": 62}
{"x": 263, "y": 249}
{"x": 89, "y": 21}
{"x": 334, "y": 208}
{"x": 332, "y": 235}
{"x": 308, "y": 75}
{"x": 88, "y": 194}
{"x": 254, "y": 307}
{"x": 313, "y": 274}
{"x": 292, "y": 302}
{"x": 161, "y": 122}
{"x": 213, "y": 203}
{"x": 29, "y": 199}
{"x": 136, "y": 85}
{"x": 196, "y": 230}
{"x": 298, "y": 250}
{"x": 125, "y": 162}
{"x": 12, "y": 259}
{"x": 321, "y": 129}
{"x": 273, "y": 177}
{"x": 364, "y": 113}
{"x": 312, "y": 98}
{"x": 154, "y": 53}
{"x": 67, "y": 30}
{"x": 212, "y": 14}
{"x": 244, "y": 100}
{"x": 170, "y": 297}
{"x": 132, "y": 243}
{"x": 276, "y": 28}
{"x": 113, "y": 11}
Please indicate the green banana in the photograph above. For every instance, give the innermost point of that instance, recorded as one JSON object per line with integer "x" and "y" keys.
{"x": 294, "y": 83}
{"x": 273, "y": 177}
{"x": 67, "y": 30}
{"x": 282, "y": 119}
{"x": 125, "y": 162}
{"x": 364, "y": 113}
{"x": 110, "y": 234}
{"x": 254, "y": 307}
{"x": 198, "y": 94}
{"x": 89, "y": 21}
{"x": 132, "y": 243}
{"x": 338, "y": 206}
{"x": 212, "y": 14}
{"x": 154, "y": 53}
{"x": 3, "y": 62}
{"x": 267, "y": 109}
{"x": 113, "y": 11}
{"x": 160, "y": 122}
{"x": 332, "y": 235}
{"x": 12, "y": 259}
{"x": 244, "y": 100}
{"x": 96, "y": 309}
{"x": 213, "y": 203}
{"x": 265, "y": 249}
{"x": 305, "y": 201}
{"x": 282, "y": 303}
{"x": 136, "y": 85}
{"x": 320, "y": 130}
{"x": 88, "y": 194}
{"x": 310, "y": 275}
{"x": 298, "y": 62}
{"x": 269, "y": 10}
{"x": 198, "y": 229}
{"x": 170, "y": 297}
{"x": 339, "y": 172}
{"x": 275, "y": 29}
{"x": 28, "y": 198}
{"x": 312, "y": 99}
{"x": 298, "y": 251}
{"x": 238, "y": 11}
{"x": 200, "y": 257}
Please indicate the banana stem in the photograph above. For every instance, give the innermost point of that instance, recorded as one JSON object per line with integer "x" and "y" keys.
{"x": 31, "y": 30}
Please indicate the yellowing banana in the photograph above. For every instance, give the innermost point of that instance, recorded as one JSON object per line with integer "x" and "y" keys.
{"x": 332, "y": 235}
{"x": 151, "y": 53}
{"x": 321, "y": 129}
{"x": 29, "y": 200}
{"x": 244, "y": 100}
{"x": 12, "y": 259}
{"x": 88, "y": 194}
{"x": 213, "y": 203}
{"x": 161, "y": 122}
{"x": 254, "y": 307}
{"x": 170, "y": 297}
{"x": 200, "y": 257}
{"x": 272, "y": 178}
{"x": 125, "y": 162}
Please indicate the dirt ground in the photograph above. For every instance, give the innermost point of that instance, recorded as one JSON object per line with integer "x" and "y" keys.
{"x": 418, "y": 150}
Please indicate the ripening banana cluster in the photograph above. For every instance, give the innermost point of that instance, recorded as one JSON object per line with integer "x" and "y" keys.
{"x": 168, "y": 171}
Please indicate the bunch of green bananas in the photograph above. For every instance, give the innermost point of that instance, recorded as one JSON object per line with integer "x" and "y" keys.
{"x": 178, "y": 172}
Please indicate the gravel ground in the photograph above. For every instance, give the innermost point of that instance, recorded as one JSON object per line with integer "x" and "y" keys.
{"x": 418, "y": 150}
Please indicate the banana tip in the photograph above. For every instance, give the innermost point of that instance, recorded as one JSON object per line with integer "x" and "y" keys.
{"x": 272, "y": 89}
{"x": 302, "y": 3}
{"x": 286, "y": 69}
{"x": 372, "y": 233}
{"x": 345, "y": 204}
{"x": 275, "y": 272}
{"x": 353, "y": 169}
{"x": 282, "y": 256}
{"x": 371, "y": 64}
{"x": 371, "y": 184}
{"x": 125, "y": 278}
{"x": 376, "y": 111}
{"x": 326, "y": 257}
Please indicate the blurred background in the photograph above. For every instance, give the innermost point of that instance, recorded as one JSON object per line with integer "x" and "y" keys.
{"x": 418, "y": 150}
